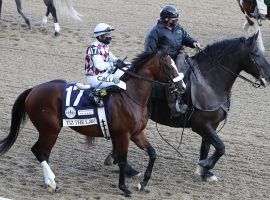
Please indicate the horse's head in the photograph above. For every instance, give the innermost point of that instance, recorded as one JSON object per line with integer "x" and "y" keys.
{"x": 166, "y": 70}
{"x": 155, "y": 66}
{"x": 255, "y": 63}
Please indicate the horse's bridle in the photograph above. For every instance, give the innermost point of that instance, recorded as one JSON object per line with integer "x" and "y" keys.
{"x": 261, "y": 74}
{"x": 166, "y": 70}
{"x": 253, "y": 83}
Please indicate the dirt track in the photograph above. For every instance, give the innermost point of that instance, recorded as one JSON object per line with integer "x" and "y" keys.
{"x": 30, "y": 57}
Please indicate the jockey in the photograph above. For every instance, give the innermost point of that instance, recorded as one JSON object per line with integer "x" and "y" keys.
{"x": 261, "y": 10}
{"x": 168, "y": 33}
{"x": 100, "y": 62}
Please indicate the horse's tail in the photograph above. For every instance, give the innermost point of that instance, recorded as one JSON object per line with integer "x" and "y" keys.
{"x": 17, "y": 118}
{"x": 67, "y": 7}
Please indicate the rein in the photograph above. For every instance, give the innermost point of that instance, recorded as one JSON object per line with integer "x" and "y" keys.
{"x": 254, "y": 84}
{"x": 146, "y": 79}
{"x": 138, "y": 76}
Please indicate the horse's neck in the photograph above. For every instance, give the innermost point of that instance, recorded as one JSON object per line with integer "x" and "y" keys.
{"x": 221, "y": 77}
{"x": 138, "y": 89}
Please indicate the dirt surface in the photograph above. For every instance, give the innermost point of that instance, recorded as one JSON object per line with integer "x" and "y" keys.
{"x": 30, "y": 57}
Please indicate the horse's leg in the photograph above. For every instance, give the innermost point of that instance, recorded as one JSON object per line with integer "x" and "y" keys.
{"x": 45, "y": 17}
{"x": 141, "y": 141}
{"x": 121, "y": 147}
{"x": 205, "y": 147}
{"x": 19, "y": 9}
{"x": 0, "y": 8}
{"x": 211, "y": 135}
{"x": 112, "y": 159}
{"x": 42, "y": 149}
{"x": 51, "y": 7}
{"x": 202, "y": 173}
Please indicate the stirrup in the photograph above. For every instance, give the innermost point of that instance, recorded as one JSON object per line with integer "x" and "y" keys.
{"x": 181, "y": 108}
{"x": 98, "y": 101}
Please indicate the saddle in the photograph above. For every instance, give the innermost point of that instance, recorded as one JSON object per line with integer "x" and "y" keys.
{"x": 79, "y": 108}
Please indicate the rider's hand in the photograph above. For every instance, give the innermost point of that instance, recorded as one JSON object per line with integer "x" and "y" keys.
{"x": 120, "y": 64}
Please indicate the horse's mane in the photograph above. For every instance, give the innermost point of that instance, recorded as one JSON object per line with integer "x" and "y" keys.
{"x": 221, "y": 48}
{"x": 138, "y": 62}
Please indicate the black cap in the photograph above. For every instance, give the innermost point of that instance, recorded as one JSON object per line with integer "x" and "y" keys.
{"x": 169, "y": 12}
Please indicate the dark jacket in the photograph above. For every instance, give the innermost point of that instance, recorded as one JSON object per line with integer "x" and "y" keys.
{"x": 160, "y": 37}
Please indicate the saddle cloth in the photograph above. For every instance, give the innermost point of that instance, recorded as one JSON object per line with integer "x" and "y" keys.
{"x": 79, "y": 109}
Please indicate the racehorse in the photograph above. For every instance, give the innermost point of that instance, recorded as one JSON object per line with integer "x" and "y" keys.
{"x": 66, "y": 5}
{"x": 127, "y": 111}
{"x": 252, "y": 25}
{"x": 208, "y": 93}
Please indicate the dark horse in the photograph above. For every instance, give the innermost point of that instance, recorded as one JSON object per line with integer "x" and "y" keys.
{"x": 66, "y": 5}
{"x": 208, "y": 93}
{"x": 128, "y": 114}
{"x": 252, "y": 25}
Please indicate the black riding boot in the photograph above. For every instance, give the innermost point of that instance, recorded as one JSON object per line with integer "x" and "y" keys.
{"x": 176, "y": 105}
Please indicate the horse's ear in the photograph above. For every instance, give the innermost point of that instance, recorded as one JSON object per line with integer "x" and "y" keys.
{"x": 251, "y": 40}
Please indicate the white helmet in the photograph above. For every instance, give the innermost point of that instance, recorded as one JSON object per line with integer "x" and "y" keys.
{"x": 102, "y": 29}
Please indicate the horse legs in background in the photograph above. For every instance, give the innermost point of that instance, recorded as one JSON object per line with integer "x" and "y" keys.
{"x": 19, "y": 9}
{"x": 51, "y": 9}
{"x": 250, "y": 30}
{"x": 209, "y": 136}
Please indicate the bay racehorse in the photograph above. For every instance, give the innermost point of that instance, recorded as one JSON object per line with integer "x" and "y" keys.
{"x": 127, "y": 111}
{"x": 66, "y": 5}
{"x": 252, "y": 25}
{"x": 213, "y": 72}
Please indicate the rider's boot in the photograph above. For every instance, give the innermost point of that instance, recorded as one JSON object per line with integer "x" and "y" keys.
{"x": 98, "y": 94}
{"x": 177, "y": 106}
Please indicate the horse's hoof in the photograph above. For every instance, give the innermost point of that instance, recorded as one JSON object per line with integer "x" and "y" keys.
{"x": 208, "y": 177}
{"x": 140, "y": 187}
{"x": 129, "y": 194}
{"x": 108, "y": 161}
{"x": 28, "y": 24}
{"x": 50, "y": 189}
{"x": 57, "y": 189}
{"x": 126, "y": 191}
{"x": 205, "y": 175}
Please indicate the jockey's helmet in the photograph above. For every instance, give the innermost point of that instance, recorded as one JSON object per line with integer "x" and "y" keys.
{"x": 102, "y": 29}
{"x": 168, "y": 12}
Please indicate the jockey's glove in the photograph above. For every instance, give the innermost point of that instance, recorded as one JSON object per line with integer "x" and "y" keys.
{"x": 119, "y": 63}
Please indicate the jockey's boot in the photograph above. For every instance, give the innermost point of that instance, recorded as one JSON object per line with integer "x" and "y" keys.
{"x": 97, "y": 95}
